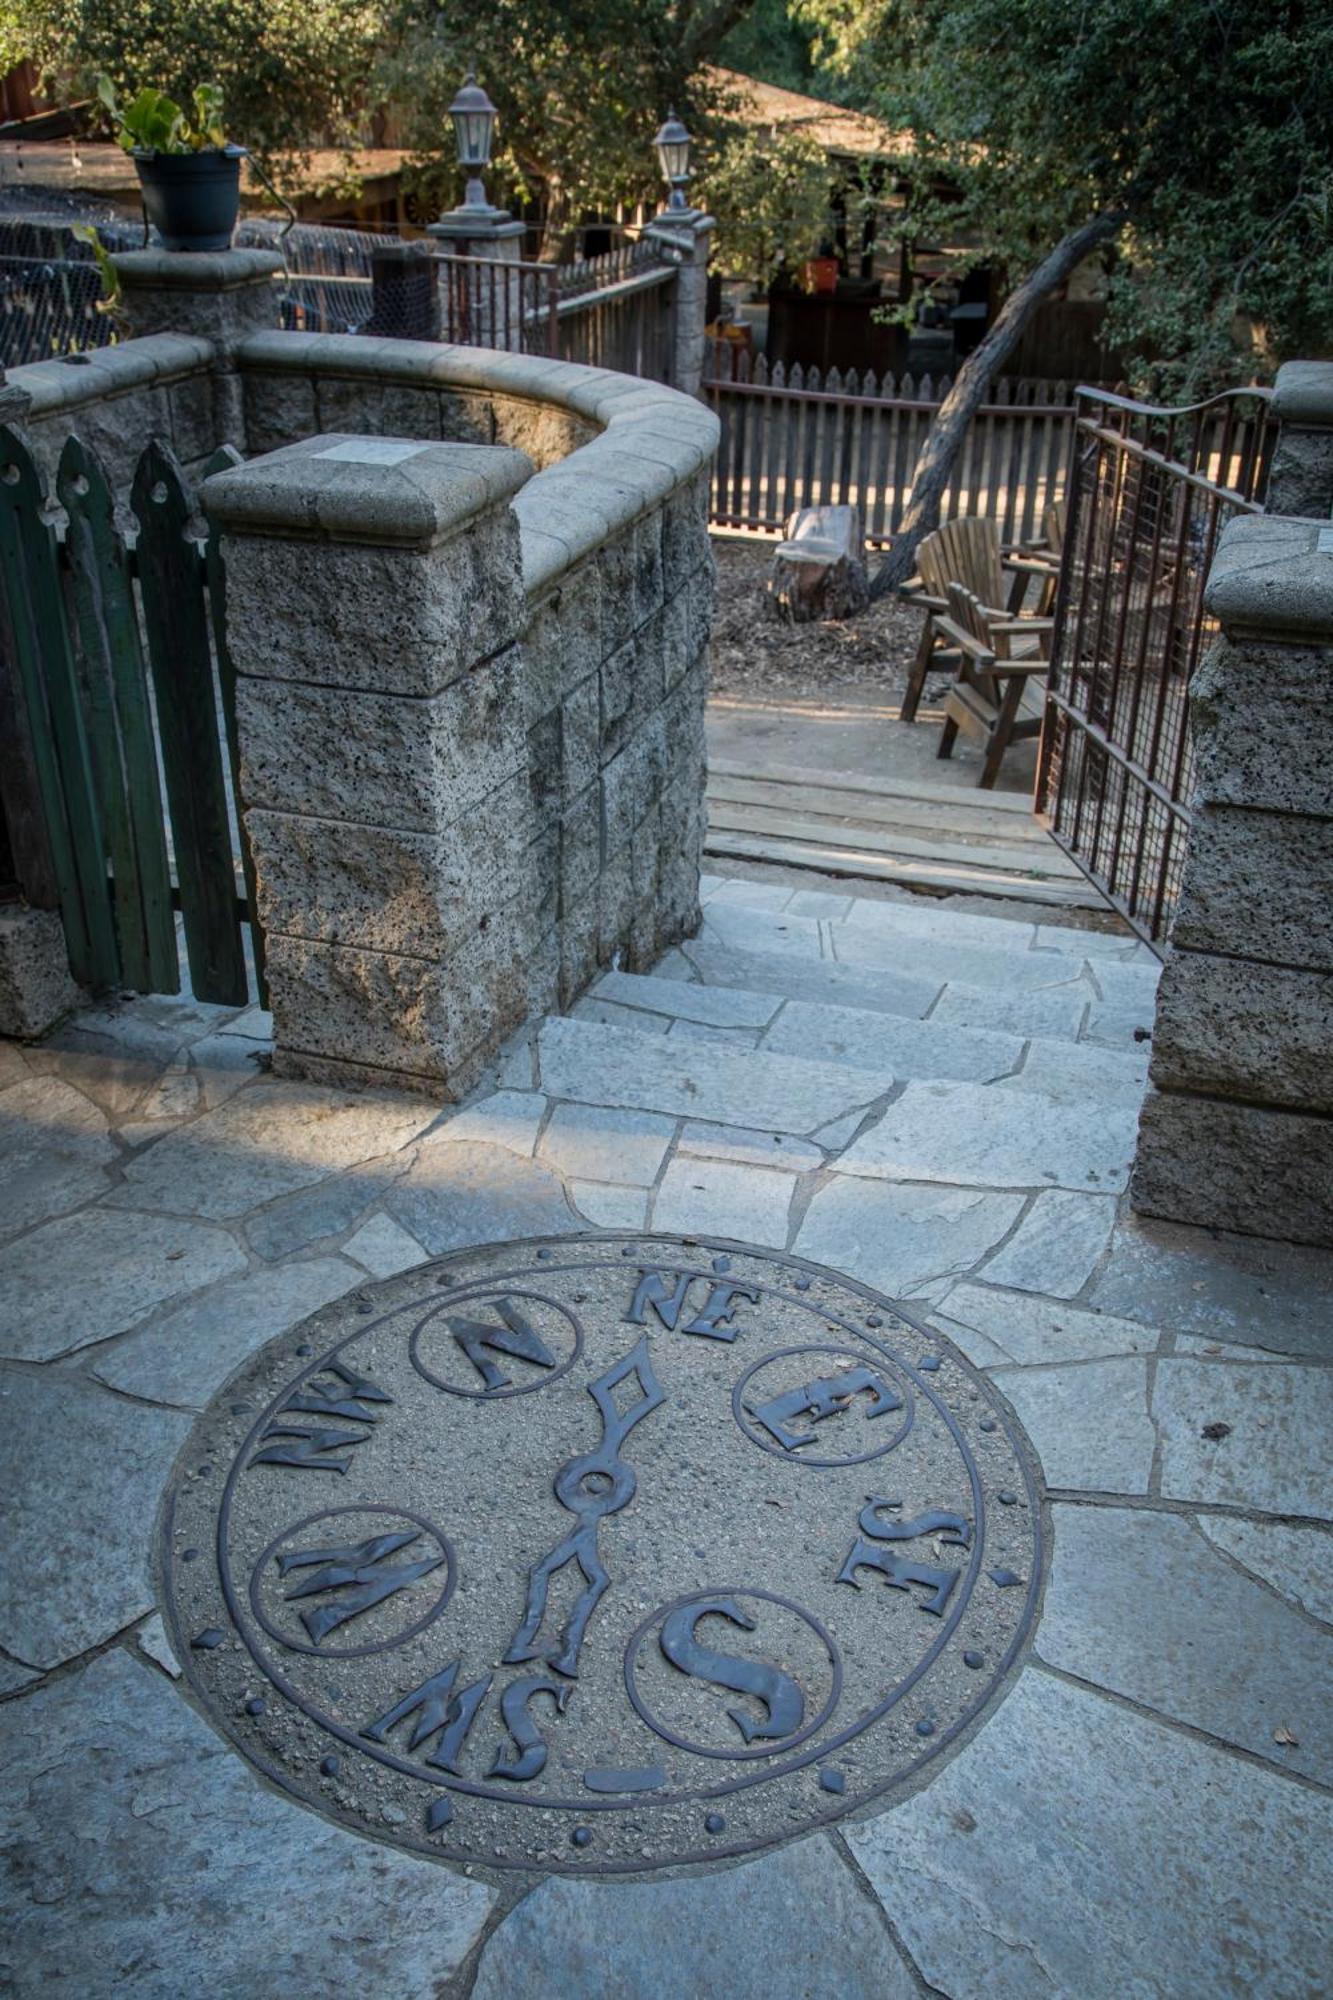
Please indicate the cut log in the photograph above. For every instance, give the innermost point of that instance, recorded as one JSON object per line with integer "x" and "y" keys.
{"x": 819, "y": 571}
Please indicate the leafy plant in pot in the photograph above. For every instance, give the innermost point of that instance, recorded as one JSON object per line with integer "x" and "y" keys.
{"x": 189, "y": 171}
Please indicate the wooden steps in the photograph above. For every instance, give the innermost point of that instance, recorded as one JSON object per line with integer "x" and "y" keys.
{"x": 934, "y": 837}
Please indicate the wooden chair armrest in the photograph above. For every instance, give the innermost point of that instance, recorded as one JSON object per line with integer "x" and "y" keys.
{"x": 1031, "y": 564}
{"x": 1010, "y": 625}
{"x": 1016, "y": 667}
{"x": 974, "y": 649}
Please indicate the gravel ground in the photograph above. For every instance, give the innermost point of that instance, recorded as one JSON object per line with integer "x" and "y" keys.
{"x": 754, "y": 652}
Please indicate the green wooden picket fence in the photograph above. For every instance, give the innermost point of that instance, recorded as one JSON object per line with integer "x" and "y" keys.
{"x": 118, "y": 651}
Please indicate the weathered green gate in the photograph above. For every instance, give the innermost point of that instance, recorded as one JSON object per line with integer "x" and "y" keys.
{"x": 119, "y": 659}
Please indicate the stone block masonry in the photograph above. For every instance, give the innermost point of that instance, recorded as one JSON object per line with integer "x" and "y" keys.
{"x": 472, "y": 768}
{"x": 1237, "y": 1129}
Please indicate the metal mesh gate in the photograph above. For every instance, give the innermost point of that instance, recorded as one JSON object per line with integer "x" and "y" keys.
{"x": 1149, "y": 493}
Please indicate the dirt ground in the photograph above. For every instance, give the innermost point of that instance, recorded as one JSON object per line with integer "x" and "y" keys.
{"x": 754, "y": 652}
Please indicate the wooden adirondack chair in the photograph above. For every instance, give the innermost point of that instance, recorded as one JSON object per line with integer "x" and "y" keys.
{"x": 965, "y": 552}
{"x": 997, "y": 696}
{"x": 1048, "y": 553}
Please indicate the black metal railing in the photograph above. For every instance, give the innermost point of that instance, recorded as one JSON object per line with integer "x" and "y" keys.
{"x": 1148, "y": 494}
{"x": 613, "y": 310}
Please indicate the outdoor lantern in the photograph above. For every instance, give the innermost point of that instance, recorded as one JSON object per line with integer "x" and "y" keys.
{"x": 474, "y": 126}
{"x": 673, "y": 150}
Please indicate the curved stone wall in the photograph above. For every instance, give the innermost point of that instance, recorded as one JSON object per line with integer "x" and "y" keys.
{"x": 471, "y": 666}
{"x": 566, "y": 832}
{"x": 607, "y": 448}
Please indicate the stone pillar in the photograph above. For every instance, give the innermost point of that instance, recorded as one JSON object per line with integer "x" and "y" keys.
{"x": 374, "y": 601}
{"x": 1237, "y": 1128}
{"x": 494, "y": 305}
{"x": 685, "y": 238}
{"x": 1301, "y": 480}
{"x": 217, "y": 295}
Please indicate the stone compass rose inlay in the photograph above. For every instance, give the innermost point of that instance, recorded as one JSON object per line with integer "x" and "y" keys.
{"x": 601, "y": 1554}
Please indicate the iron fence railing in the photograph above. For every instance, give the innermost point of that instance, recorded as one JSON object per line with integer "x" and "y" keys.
{"x": 612, "y": 310}
{"x": 1149, "y": 492}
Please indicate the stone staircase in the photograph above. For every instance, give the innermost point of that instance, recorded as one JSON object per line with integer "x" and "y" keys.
{"x": 820, "y": 1072}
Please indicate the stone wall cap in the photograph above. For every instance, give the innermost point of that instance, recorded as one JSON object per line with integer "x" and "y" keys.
{"x": 397, "y": 492}
{"x": 198, "y": 270}
{"x": 1303, "y": 394}
{"x": 1272, "y": 577}
{"x": 65, "y": 383}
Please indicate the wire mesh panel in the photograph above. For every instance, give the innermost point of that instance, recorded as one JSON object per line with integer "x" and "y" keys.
{"x": 51, "y": 288}
{"x": 1149, "y": 493}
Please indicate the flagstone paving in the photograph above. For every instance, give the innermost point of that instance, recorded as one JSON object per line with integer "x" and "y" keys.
{"x": 941, "y": 1105}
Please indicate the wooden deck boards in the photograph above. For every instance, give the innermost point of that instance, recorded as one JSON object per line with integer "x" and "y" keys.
{"x": 933, "y": 837}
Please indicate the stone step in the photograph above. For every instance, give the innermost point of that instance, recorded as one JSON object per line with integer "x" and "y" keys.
{"x": 1104, "y": 1012}
{"x": 947, "y": 1132}
{"x": 945, "y": 1047}
{"x": 993, "y": 1136}
{"x": 922, "y": 916}
{"x": 926, "y": 961}
{"x": 592, "y": 1062}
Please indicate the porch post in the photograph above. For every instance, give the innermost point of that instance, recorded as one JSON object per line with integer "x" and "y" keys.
{"x": 1237, "y": 1127}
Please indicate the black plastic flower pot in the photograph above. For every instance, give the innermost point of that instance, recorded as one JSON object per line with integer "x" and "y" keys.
{"x": 192, "y": 199}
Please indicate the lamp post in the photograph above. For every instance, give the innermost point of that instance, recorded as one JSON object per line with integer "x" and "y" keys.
{"x": 673, "y": 152}
{"x": 479, "y": 303}
{"x": 474, "y": 127}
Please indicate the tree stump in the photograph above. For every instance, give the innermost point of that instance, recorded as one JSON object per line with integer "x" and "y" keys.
{"x": 819, "y": 570}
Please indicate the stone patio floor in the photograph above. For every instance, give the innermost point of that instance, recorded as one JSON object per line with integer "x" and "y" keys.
{"x": 1148, "y": 1812}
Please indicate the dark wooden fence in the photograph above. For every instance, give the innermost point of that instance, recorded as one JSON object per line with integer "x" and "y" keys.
{"x": 124, "y": 697}
{"x": 792, "y": 438}
{"x": 1151, "y": 490}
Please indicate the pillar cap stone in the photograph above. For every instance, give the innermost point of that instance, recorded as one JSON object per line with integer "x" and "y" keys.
{"x": 393, "y": 492}
{"x": 484, "y": 225}
{"x": 682, "y": 222}
{"x": 198, "y": 270}
{"x": 1303, "y": 394}
{"x": 1272, "y": 578}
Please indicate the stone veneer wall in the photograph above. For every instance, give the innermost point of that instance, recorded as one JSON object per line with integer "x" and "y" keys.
{"x": 116, "y": 398}
{"x": 552, "y": 750}
{"x": 585, "y": 755}
{"x": 1237, "y": 1127}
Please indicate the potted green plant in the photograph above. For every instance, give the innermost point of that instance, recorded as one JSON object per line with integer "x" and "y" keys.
{"x": 189, "y": 171}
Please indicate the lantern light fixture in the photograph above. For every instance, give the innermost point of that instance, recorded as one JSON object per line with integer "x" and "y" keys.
{"x": 673, "y": 151}
{"x": 474, "y": 117}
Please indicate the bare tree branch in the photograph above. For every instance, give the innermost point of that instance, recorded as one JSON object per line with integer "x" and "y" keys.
{"x": 936, "y": 463}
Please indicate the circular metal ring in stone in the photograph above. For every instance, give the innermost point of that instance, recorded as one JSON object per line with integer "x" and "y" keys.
{"x": 594, "y": 1629}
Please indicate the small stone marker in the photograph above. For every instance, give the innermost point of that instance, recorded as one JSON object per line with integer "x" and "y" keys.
{"x": 601, "y": 1555}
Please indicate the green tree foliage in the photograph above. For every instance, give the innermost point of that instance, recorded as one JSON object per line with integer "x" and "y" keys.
{"x": 1191, "y": 141}
{"x": 580, "y": 86}
{"x": 293, "y": 73}
{"x": 772, "y": 44}
{"x": 770, "y": 195}
{"x": 1202, "y": 128}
